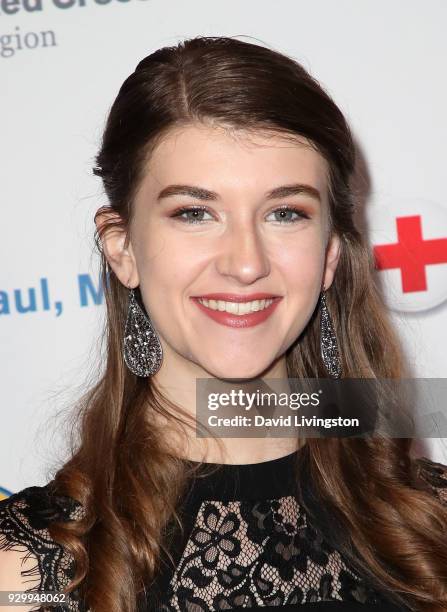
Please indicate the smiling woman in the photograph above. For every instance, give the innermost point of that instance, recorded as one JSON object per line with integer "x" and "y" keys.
{"x": 264, "y": 227}
{"x": 229, "y": 252}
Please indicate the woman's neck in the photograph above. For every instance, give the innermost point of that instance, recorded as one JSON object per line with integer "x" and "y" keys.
{"x": 178, "y": 381}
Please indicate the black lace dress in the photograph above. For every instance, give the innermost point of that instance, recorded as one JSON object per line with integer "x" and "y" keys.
{"x": 247, "y": 543}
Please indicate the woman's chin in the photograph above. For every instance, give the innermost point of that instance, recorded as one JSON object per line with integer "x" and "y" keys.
{"x": 236, "y": 374}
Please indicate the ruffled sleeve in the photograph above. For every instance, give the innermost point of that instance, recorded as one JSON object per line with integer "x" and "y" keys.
{"x": 434, "y": 476}
{"x": 24, "y": 520}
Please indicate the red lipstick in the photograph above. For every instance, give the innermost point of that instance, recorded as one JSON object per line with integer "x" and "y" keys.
{"x": 238, "y": 321}
{"x": 237, "y": 297}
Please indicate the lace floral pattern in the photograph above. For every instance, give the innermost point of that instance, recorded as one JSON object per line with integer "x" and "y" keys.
{"x": 24, "y": 520}
{"x": 244, "y": 554}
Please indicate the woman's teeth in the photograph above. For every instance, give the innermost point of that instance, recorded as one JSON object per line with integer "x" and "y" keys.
{"x": 237, "y": 308}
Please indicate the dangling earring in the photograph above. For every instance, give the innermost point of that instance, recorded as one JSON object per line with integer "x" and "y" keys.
{"x": 142, "y": 349}
{"x": 328, "y": 341}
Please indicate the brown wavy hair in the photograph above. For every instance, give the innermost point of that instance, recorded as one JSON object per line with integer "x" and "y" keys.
{"x": 122, "y": 467}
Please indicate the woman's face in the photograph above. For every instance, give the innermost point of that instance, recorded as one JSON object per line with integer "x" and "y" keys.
{"x": 238, "y": 242}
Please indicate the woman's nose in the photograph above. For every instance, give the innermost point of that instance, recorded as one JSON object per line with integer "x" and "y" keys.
{"x": 242, "y": 254}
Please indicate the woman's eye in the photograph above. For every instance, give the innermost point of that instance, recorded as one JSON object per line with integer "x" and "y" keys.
{"x": 196, "y": 213}
{"x": 284, "y": 214}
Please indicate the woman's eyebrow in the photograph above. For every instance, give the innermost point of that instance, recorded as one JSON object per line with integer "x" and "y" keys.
{"x": 201, "y": 193}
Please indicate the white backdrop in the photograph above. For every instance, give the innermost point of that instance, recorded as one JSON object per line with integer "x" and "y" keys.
{"x": 62, "y": 63}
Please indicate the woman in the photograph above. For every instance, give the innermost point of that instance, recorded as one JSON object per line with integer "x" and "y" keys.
{"x": 227, "y": 169}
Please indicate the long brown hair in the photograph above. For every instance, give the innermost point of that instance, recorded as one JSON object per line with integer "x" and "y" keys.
{"x": 122, "y": 469}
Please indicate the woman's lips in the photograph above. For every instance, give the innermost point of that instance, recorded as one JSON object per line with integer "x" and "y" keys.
{"x": 232, "y": 320}
{"x": 237, "y": 297}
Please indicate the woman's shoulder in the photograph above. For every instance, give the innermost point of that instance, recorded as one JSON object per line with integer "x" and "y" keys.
{"x": 433, "y": 475}
{"x": 26, "y": 543}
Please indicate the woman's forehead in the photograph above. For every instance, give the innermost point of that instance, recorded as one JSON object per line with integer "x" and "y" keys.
{"x": 234, "y": 158}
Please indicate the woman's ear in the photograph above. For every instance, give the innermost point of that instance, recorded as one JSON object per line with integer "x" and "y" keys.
{"x": 333, "y": 252}
{"x": 120, "y": 257}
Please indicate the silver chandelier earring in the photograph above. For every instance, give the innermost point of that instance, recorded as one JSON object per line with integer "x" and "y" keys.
{"x": 328, "y": 341}
{"x": 142, "y": 349}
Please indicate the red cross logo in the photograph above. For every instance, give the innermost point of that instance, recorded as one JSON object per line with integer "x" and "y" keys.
{"x": 411, "y": 253}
